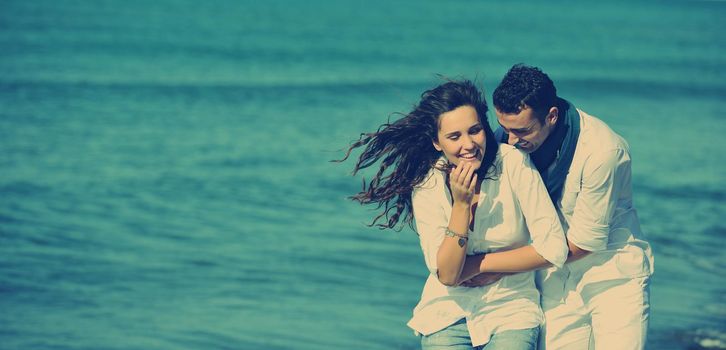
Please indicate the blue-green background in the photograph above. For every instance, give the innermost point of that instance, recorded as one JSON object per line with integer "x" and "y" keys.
{"x": 164, "y": 174}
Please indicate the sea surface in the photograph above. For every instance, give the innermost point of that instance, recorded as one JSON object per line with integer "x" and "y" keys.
{"x": 164, "y": 165}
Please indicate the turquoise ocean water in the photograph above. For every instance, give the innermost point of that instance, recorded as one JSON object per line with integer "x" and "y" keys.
{"x": 164, "y": 174}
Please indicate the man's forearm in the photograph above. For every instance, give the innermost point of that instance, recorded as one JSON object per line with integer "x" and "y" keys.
{"x": 575, "y": 252}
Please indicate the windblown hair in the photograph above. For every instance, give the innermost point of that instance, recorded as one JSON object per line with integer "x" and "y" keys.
{"x": 406, "y": 153}
{"x": 525, "y": 86}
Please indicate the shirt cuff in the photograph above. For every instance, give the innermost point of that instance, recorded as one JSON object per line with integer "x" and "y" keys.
{"x": 430, "y": 251}
{"x": 552, "y": 249}
{"x": 591, "y": 238}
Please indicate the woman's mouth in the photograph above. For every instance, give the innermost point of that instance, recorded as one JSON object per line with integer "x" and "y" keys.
{"x": 470, "y": 156}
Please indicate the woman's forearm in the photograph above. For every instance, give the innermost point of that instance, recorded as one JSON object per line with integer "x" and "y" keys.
{"x": 516, "y": 260}
{"x": 471, "y": 268}
{"x": 451, "y": 255}
{"x": 525, "y": 259}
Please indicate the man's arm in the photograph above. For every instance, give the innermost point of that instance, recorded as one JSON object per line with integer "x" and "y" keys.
{"x": 604, "y": 175}
{"x": 575, "y": 252}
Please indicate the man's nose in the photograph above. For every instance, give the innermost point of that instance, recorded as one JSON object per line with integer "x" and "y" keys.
{"x": 512, "y": 139}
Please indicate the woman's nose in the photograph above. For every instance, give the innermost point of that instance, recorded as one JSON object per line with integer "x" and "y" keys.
{"x": 468, "y": 143}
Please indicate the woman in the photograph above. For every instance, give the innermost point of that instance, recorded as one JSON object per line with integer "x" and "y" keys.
{"x": 477, "y": 207}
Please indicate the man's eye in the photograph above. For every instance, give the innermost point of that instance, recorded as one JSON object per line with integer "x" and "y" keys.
{"x": 453, "y": 138}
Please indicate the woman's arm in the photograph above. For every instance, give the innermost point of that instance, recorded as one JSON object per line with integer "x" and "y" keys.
{"x": 475, "y": 274}
{"x": 521, "y": 259}
{"x": 499, "y": 264}
{"x": 451, "y": 255}
{"x": 548, "y": 247}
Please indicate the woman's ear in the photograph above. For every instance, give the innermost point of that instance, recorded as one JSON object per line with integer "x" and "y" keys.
{"x": 436, "y": 145}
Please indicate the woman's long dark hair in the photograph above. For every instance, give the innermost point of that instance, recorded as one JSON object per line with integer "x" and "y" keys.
{"x": 406, "y": 152}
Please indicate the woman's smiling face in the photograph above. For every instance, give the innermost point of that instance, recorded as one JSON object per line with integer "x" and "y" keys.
{"x": 461, "y": 136}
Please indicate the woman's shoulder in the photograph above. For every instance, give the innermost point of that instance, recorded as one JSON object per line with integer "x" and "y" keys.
{"x": 432, "y": 179}
{"x": 509, "y": 151}
{"x": 511, "y": 160}
{"x": 510, "y": 155}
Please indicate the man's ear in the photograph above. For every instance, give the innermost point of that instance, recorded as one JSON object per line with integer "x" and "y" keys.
{"x": 552, "y": 116}
{"x": 436, "y": 145}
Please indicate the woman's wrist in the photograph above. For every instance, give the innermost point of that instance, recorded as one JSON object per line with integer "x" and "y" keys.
{"x": 451, "y": 233}
{"x": 461, "y": 205}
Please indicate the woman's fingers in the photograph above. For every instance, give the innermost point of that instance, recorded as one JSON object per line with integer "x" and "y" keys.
{"x": 462, "y": 180}
{"x": 454, "y": 175}
{"x": 463, "y": 175}
{"x": 457, "y": 173}
{"x": 460, "y": 175}
{"x": 466, "y": 181}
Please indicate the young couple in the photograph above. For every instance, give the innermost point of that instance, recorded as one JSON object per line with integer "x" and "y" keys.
{"x": 534, "y": 238}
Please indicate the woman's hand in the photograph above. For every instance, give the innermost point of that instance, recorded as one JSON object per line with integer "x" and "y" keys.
{"x": 462, "y": 181}
{"x": 484, "y": 279}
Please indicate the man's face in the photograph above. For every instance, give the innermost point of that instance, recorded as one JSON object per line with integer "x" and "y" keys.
{"x": 525, "y": 130}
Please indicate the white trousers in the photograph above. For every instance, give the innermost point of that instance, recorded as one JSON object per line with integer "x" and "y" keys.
{"x": 602, "y": 316}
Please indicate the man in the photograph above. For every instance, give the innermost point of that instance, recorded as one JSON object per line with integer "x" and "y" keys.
{"x": 600, "y": 299}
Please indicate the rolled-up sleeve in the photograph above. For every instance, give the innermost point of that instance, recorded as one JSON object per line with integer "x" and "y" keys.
{"x": 540, "y": 215}
{"x": 431, "y": 219}
{"x": 602, "y": 182}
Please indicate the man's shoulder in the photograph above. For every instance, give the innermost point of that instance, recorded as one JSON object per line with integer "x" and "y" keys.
{"x": 598, "y": 147}
{"x": 597, "y": 136}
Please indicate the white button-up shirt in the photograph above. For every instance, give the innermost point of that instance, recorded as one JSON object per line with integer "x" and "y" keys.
{"x": 596, "y": 210}
{"x": 514, "y": 210}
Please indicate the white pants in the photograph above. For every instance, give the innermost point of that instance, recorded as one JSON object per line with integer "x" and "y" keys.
{"x": 602, "y": 316}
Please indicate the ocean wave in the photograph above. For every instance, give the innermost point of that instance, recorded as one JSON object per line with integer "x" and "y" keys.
{"x": 681, "y": 192}
{"x": 8, "y": 85}
{"x": 708, "y": 338}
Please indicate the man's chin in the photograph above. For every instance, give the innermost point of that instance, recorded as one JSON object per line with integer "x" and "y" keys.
{"x": 525, "y": 149}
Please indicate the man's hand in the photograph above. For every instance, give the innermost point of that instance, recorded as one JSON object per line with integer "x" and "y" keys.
{"x": 483, "y": 279}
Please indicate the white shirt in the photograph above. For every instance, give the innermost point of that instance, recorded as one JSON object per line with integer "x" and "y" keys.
{"x": 596, "y": 210}
{"x": 513, "y": 209}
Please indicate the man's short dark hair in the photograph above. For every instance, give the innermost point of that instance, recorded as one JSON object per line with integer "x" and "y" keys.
{"x": 525, "y": 86}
